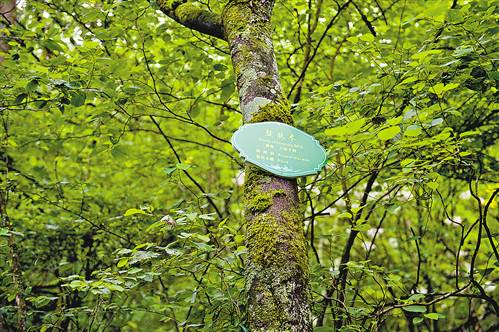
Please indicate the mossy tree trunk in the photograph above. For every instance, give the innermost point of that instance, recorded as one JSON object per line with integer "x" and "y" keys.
{"x": 277, "y": 272}
{"x": 277, "y": 278}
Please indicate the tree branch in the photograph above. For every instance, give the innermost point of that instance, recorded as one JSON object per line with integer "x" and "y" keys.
{"x": 212, "y": 203}
{"x": 192, "y": 17}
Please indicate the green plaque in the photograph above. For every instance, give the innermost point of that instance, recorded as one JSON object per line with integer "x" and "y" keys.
{"x": 279, "y": 149}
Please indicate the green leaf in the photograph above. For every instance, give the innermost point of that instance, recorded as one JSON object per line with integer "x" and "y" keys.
{"x": 389, "y": 133}
{"x": 436, "y": 122}
{"x": 409, "y": 79}
{"x": 469, "y": 133}
{"x": 228, "y": 89}
{"x": 207, "y": 216}
{"x": 134, "y": 270}
{"x": 11, "y": 297}
{"x": 426, "y": 54}
{"x": 348, "y": 129}
{"x": 77, "y": 284}
{"x": 407, "y": 162}
{"x": 32, "y": 85}
{"x": 202, "y": 237}
{"x": 91, "y": 44}
{"x": 78, "y": 99}
{"x": 417, "y": 320}
{"x": 416, "y": 297}
{"x": 353, "y": 39}
{"x": 432, "y": 315}
{"x": 183, "y": 167}
{"x": 344, "y": 215}
{"x": 462, "y": 50}
{"x": 122, "y": 262}
{"x": 362, "y": 227}
{"x": 432, "y": 185}
{"x": 322, "y": 329}
{"x": 415, "y": 308}
{"x": 440, "y": 89}
{"x": 367, "y": 37}
{"x": 131, "y": 89}
{"x": 170, "y": 170}
{"x": 241, "y": 250}
{"x": 115, "y": 287}
{"x": 142, "y": 255}
{"x": 131, "y": 212}
{"x": 394, "y": 121}
{"x": 20, "y": 98}
{"x": 219, "y": 67}
{"x": 195, "y": 110}
{"x": 52, "y": 45}
{"x": 413, "y": 130}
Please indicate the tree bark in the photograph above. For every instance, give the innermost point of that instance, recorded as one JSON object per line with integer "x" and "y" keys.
{"x": 277, "y": 276}
{"x": 277, "y": 266}
{"x": 7, "y": 16}
{"x": 195, "y": 18}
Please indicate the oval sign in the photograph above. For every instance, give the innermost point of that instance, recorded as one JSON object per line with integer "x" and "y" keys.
{"x": 279, "y": 149}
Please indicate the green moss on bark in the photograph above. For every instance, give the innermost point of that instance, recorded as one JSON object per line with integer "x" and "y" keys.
{"x": 187, "y": 13}
{"x": 279, "y": 112}
{"x": 277, "y": 273}
{"x": 193, "y": 16}
{"x": 271, "y": 311}
{"x": 169, "y": 3}
{"x": 276, "y": 242}
{"x": 260, "y": 203}
{"x": 236, "y": 16}
{"x": 276, "y": 269}
{"x": 254, "y": 178}
{"x": 277, "y": 266}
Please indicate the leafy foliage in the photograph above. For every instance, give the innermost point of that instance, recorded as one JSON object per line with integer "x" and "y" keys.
{"x": 123, "y": 194}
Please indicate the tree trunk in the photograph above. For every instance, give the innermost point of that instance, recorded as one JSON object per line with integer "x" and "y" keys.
{"x": 7, "y": 16}
{"x": 277, "y": 266}
{"x": 277, "y": 278}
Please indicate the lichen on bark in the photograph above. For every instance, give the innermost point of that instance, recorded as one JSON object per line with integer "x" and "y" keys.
{"x": 249, "y": 32}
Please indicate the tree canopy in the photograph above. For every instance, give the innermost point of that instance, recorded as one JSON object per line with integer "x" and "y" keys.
{"x": 122, "y": 199}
